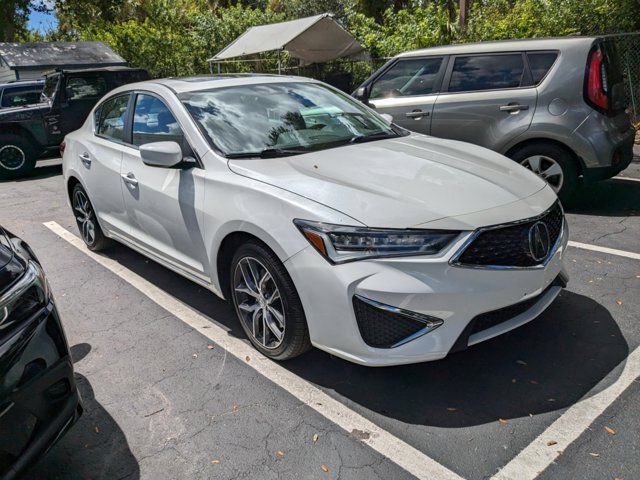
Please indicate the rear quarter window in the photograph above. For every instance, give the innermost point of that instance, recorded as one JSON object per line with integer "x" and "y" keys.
{"x": 540, "y": 64}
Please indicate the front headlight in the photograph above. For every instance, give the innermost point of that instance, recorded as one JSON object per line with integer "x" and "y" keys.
{"x": 339, "y": 243}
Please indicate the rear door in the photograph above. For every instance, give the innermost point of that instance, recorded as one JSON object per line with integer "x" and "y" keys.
{"x": 486, "y": 99}
{"x": 80, "y": 93}
{"x": 100, "y": 157}
{"x": 407, "y": 91}
{"x": 164, "y": 205}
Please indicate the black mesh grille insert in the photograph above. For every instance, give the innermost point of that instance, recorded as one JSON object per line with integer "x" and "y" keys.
{"x": 509, "y": 246}
{"x": 380, "y": 328}
{"x": 496, "y": 317}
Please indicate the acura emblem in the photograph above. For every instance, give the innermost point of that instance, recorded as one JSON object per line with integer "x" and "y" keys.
{"x": 539, "y": 242}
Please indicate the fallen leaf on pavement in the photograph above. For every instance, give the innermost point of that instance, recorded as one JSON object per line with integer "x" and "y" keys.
{"x": 324, "y": 468}
{"x": 315, "y": 437}
{"x": 594, "y": 454}
{"x": 551, "y": 442}
{"x": 195, "y": 355}
{"x": 502, "y": 421}
{"x": 533, "y": 382}
{"x": 97, "y": 430}
{"x": 247, "y": 358}
{"x": 215, "y": 462}
{"x": 610, "y": 430}
{"x": 521, "y": 362}
{"x": 210, "y": 347}
{"x": 619, "y": 302}
{"x": 280, "y": 453}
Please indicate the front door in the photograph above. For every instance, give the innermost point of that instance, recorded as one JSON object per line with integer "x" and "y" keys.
{"x": 164, "y": 205}
{"x": 408, "y": 90}
{"x": 486, "y": 99}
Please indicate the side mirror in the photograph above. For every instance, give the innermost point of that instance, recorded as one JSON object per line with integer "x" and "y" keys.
{"x": 161, "y": 154}
{"x": 387, "y": 117}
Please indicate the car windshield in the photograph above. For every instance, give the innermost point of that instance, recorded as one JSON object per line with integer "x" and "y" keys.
{"x": 279, "y": 119}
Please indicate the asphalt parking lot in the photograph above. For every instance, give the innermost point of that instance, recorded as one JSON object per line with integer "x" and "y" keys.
{"x": 172, "y": 390}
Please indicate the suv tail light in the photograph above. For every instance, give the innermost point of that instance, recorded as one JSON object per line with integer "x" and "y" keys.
{"x": 597, "y": 88}
{"x": 63, "y": 145}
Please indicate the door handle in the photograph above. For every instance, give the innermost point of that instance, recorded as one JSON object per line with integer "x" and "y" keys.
{"x": 129, "y": 179}
{"x": 85, "y": 159}
{"x": 416, "y": 114}
{"x": 513, "y": 107}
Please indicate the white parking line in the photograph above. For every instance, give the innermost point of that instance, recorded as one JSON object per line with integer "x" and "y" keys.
{"x": 404, "y": 455}
{"x": 611, "y": 251}
{"x": 627, "y": 178}
{"x": 536, "y": 457}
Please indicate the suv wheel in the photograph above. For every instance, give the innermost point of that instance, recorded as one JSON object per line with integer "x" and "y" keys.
{"x": 267, "y": 304}
{"x": 86, "y": 219}
{"x": 16, "y": 156}
{"x": 553, "y": 164}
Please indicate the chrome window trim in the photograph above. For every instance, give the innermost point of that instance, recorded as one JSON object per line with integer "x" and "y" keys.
{"x": 454, "y": 262}
{"x": 430, "y": 323}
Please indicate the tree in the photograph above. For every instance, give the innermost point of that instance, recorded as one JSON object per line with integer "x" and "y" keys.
{"x": 13, "y": 19}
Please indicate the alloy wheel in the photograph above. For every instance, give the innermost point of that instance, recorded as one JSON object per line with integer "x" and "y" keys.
{"x": 258, "y": 302}
{"x": 84, "y": 217}
{"x": 546, "y": 168}
{"x": 12, "y": 157}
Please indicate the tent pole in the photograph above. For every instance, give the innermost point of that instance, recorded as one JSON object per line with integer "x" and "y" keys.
{"x": 279, "y": 61}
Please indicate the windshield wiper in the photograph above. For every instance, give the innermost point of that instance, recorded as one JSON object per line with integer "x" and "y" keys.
{"x": 269, "y": 153}
{"x": 373, "y": 136}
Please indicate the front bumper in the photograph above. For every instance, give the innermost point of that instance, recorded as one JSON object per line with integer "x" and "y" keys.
{"x": 429, "y": 286}
{"x": 39, "y": 400}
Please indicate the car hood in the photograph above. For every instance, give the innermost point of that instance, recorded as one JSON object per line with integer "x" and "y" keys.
{"x": 400, "y": 182}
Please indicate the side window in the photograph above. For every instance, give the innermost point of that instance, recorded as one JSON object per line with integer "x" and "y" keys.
{"x": 15, "y": 97}
{"x": 110, "y": 118}
{"x": 79, "y": 88}
{"x": 154, "y": 122}
{"x": 486, "y": 72}
{"x": 540, "y": 63}
{"x": 407, "y": 77}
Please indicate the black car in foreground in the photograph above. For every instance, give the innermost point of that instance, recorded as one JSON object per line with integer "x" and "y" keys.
{"x": 39, "y": 400}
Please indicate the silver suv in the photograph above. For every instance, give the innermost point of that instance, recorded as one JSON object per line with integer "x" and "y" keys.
{"x": 555, "y": 105}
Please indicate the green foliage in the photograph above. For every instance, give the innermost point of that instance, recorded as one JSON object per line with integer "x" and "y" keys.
{"x": 175, "y": 37}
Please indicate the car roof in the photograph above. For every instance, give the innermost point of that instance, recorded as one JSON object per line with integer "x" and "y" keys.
{"x": 22, "y": 83}
{"x": 207, "y": 82}
{"x": 548, "y": 43}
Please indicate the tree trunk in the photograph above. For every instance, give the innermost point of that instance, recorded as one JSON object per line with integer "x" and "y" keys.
{"x": 464, "y": 13}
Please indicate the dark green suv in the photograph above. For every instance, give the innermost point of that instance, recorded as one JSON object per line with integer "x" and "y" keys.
{"x": 28, "y": 132}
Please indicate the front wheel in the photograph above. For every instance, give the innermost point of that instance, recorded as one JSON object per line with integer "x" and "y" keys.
{"x": 267, "y": 303}
{"x": 86, "y": 219}
{"x": 553, "y": 164}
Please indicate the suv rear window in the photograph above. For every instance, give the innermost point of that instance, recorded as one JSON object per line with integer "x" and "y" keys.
{"x": 486, "y": 72}
{"x": 540, "y": 63}
{"x": 19, "y": 96}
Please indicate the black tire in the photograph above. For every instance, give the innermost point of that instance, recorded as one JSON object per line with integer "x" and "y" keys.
{"x": 86, "y": 220}
{"x": 295, "y": 340}
{"x": 557, "y": 154}
{"x": 17, "y": 157}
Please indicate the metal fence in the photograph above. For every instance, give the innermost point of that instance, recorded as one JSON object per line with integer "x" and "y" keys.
{"x": 629, "y": 50}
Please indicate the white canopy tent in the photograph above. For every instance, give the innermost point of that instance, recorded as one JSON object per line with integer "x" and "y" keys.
{"x": 312, "y": 39}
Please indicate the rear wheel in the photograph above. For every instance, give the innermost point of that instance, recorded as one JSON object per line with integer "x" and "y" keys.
{"x": 267, "y": 303}
{"x": 17, "y": 158}
{"x": 86, "y": 219}
{"x": 553, "y": 164}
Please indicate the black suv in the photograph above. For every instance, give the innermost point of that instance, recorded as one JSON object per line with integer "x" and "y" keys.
{"x": 27, "y": 132}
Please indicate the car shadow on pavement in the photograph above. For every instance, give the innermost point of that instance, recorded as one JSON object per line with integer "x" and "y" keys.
{"x": 94, "y": 448}
{"x": 614, "y": 197}
{"x": 543, "y": 366}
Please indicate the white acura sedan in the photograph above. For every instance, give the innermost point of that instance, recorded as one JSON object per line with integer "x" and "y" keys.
{"x": 322, "y": 222}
